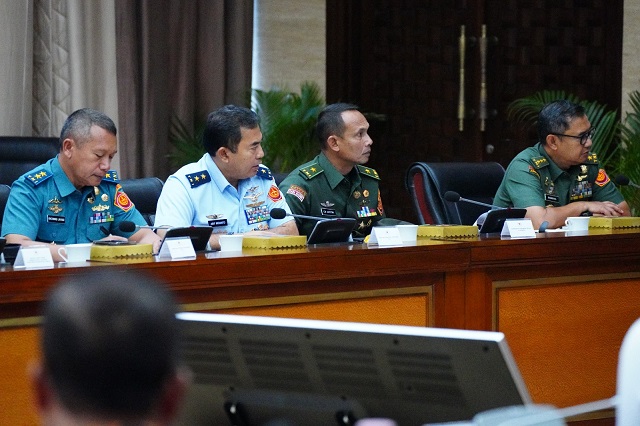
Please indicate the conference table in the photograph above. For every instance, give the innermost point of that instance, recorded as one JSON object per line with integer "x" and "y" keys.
{"x": 563, "y": 300}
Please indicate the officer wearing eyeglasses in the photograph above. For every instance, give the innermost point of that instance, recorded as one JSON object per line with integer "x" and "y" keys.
{"x": 559, "y": 177}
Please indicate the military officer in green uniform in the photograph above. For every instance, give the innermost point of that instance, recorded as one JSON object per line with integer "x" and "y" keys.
{"x": 336, "y": 183}
{"x": 559, "y": 177}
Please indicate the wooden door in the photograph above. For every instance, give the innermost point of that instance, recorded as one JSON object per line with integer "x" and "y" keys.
{"x": 401, "y": 61}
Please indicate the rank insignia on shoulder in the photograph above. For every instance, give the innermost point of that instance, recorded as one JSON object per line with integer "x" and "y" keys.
{"x": 539, "y": 162}
{"x": 264, "y": 172}
{"x": 198, "y": 178}
{"x": 38, "y": 177}
{"x": 111, "y": 176}
{"x": 368, "y": 171}
{"x": 311, "y": 171}
{"x": 592, "y": 158}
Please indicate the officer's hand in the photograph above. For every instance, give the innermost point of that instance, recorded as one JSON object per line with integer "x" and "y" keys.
{"x": 604, "y": 208}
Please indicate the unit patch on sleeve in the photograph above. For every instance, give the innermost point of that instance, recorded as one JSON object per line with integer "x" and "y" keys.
{"x": 602, "y": 178}
{"x": 297, "y": 191}
{"x": 274, "y": 193}
{"x": 122, "y": 200}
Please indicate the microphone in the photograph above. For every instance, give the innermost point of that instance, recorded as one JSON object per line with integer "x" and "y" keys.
{"x": 622, "y": 180}
{"x": 454, "y": 197}
{"x": 128, "y": 226}
{"x": 278, "y": 213}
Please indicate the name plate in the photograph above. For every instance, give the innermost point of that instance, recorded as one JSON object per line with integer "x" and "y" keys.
{"x": 34, "y": 257}
{"x": 518, "y": 228}
{"x": 177, "y": 248}
{"x": 385, "y": 236}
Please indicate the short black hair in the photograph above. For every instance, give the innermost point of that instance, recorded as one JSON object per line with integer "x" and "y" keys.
{"x": 223, "y": 127}
{"x": 330, "y": 121}
{"x": 78, "y": 125}
{"x": 110, "y": 341}
{"x": 556, "y": 117}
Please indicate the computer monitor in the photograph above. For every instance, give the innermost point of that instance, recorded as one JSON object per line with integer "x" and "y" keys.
{"x": 279, "y": 371}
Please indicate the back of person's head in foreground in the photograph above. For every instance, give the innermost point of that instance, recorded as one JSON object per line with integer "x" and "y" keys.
{"x": 223, "y": 128}
{"x": 111, "y": 352}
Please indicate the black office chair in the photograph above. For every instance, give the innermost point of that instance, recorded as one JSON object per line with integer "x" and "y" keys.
{"x": 19, "y": 154}
{"x": 144, "y": 193}
{"x": 4, "y": 196}
{"x": 428, "y": 182}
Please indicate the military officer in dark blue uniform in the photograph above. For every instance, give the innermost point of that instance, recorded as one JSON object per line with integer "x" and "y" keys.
{"x": 74, "y": 197}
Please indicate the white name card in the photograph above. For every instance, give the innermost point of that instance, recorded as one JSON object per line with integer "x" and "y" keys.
{"x": 518, "y": 228}
{"x": 385, "y": 236}
{"x": 177, "y": 248}
{"x": 34, "y": 257}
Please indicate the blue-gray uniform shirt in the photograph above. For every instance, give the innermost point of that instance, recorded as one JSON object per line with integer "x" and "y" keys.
{"x": 45, "y": 206}
{"x": 198, "y": 194}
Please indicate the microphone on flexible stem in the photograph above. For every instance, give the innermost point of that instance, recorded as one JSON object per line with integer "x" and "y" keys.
{"x": 491, "y": 221}
{"x": 454, "y": 197}
{"x": 622, "y": 180}
{"x": 278, "y": 213}
{"x": 128, "y": 226}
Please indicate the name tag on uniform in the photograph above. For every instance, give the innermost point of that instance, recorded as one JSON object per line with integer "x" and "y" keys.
{"x": 551, "y": 198}
{"x": 328, "y": 212}
{"x": 217, "y": 222}
{"x": 55, "y": 219}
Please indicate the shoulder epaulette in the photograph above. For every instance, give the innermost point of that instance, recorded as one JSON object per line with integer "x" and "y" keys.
{"x": 198, "y": 178}
{"x": 111, "y": 176}
{"x": 311, "y": 171}
{"x": 539, "y": 162}
{"x": 38, "y": 177}
{"x": 592, "y": 159}
{"x": 264, "y": 172}
{"x": 368, "y": 171}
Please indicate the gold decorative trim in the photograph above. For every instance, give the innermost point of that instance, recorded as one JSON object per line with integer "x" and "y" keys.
{"x": 20, "y": 322}
{"x": 324, "y": 297}
{"x": 273, "y": 301}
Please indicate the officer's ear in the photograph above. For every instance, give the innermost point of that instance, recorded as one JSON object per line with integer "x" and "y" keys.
{"x": 223, "y": 154}
{"x": 332, "y": 143}
{"x": 67, "y": 147}
{"x": 552, "y": 141}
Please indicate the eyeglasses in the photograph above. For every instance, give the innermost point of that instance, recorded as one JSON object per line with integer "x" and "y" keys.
{"x": 583, "y": 137}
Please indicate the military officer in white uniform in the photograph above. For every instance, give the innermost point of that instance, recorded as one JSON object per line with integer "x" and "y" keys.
{"x": 227, "y": 189}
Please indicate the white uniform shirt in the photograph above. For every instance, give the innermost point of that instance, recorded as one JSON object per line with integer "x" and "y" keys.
{"x": 198, "y": 194}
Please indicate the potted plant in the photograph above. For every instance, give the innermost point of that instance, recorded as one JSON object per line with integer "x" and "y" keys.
{"x": 630, "y": 152}
{"x": 287, "y": 121}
